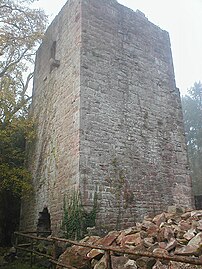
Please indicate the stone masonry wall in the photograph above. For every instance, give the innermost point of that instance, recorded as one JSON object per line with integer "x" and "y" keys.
{"x": 133, "y": 149}
{"x": 54, "y": 162}
{"x": 108, "y": 117}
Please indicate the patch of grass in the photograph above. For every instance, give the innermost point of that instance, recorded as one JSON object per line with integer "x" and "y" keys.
{"x": 22, "y": 261}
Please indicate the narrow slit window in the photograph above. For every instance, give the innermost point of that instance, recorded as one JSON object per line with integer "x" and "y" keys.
{"x": 53, "y": 50}
{"x": 53, "y": 62}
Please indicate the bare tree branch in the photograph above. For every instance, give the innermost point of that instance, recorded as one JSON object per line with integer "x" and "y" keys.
{"x": 2, "y": 73}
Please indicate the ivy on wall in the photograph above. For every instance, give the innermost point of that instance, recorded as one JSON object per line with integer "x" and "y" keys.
{"x": 76, "y": 219}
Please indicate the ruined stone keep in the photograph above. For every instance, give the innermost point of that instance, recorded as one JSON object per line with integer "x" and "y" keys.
{"x": 108, "y": 117}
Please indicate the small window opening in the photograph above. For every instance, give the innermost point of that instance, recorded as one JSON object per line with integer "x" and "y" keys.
{"x": 44, "y": 223}
{"x": 53, "y": 62}
{"x": 53, "y": 50}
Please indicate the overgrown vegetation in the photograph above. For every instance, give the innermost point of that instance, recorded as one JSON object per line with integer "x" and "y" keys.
{"x": 77, "y": 218}
{"x": 21, "y": 30}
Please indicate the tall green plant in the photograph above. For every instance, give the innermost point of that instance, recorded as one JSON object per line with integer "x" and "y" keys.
{"x": 76, "y": 218}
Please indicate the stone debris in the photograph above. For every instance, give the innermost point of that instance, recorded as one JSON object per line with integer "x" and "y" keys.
{"x": 175, "y": 232}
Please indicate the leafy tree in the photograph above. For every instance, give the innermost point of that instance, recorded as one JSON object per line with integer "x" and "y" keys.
{"x": 192, "y": 110}
{"x": 21, "y": 29}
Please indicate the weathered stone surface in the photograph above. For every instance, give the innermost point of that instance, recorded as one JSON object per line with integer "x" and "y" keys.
{"x": 188, "y": 250}
{"x": 83, "y": 250}
{"x": 159, "y": 219}
{"x": 145, "y": 263}
{"x": 184, "y": 225}
{"x": 153, "y": 230}
{"x": 117, "y": 262}
{"x": 131, "y": 240}
{"x": 125, "y": 232}
{"x": 160, "y": 251}
{"x": 162, "y": 244}
{"x": 179, "y": 265}
{"x": 77, "y": 255}
{"x": 140, "y": 241}
{"x": 186, "y": 215}
{"x": 101, "y": 264}
{"x": 199, "y": 225}
{"x": 95, "y": 254}
{"x": 123, "y": 263}
{"x": 190, "y": 234}
{"x": 196, "y": 240}
{"x": 197, "y": 214}
{"x": 108, "y": 239}
{"x": 165, "y": 233}
{"x": 131, "y": 264}
{"x": 176, "y": 209}
{"x": 73, "y": 259}
{"x": 171, "y": 244}
{"x": 148, "y": 242}
{"x": 147, "y": 225}
{"x": 108, "y": 117}
{"x": 160, "y": 265}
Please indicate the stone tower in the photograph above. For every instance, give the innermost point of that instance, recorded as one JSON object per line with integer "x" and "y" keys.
{"x": 108, "y": 117}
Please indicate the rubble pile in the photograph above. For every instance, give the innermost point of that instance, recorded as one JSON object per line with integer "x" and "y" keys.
{"x": 175, "y": 233}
